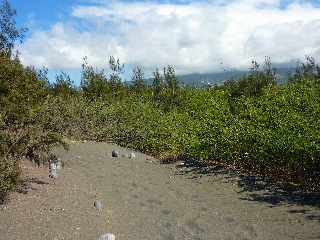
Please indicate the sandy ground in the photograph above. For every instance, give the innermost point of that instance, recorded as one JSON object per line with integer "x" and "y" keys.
{"x": 143, "y": 199}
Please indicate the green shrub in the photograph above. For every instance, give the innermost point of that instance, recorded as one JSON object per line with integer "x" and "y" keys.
{"x": 27, "y": 127}
{"x": 9, "y": 175}
{"x": 276, "y": 132}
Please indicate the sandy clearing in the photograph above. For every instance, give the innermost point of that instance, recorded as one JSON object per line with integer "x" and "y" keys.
{"x": 145, "y": 200}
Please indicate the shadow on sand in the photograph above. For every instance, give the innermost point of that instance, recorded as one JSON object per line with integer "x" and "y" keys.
{"x": 258, "y": 189}
{"x": 28, "y": 183}
{"x": 25, "y": 186}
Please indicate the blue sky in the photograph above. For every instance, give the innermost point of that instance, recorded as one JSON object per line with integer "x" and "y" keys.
{"x": 194, "y": 36}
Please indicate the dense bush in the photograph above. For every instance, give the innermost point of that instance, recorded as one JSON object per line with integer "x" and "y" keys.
{"x": 28, "y": 129}
{"x": 276, "y": 133}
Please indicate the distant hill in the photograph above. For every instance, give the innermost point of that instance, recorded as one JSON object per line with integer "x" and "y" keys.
{"x": 205, "y": 79}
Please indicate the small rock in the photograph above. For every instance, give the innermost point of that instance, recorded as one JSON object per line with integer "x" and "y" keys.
{"x": 132, "y": 155}
{"x": 108, "y": 236}
{"x": 3, "y": 208}
{"x": 98, "y": 205}
{"x": 115, "y": 153}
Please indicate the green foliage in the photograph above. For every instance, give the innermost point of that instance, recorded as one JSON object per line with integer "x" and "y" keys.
{"x": 22, "y": 92}
{"x": 9, "y": 33}
{"x": 63, "y": 86}
{"x": 117, "y": 88}
{"x": 116, "y": 71}
{"x": 270, "y": 129}
{"x": 138, "y": 79}
{"x": 9, "y": 175}
{"x": 308, "y": 70}
{"x": 27, "y": 126}
{"x": 157, "y": 86}
{"x": 96, "y": 84}
{"x": 253, "y": 84}
{"x": 171, "y": 94}
{"x": 165, "y": 88}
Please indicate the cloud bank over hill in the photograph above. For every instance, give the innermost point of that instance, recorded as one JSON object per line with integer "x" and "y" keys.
{"x": 195, "y": 36}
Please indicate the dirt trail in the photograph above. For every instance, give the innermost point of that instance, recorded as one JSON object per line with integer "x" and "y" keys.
{"x": 143, "y": 200}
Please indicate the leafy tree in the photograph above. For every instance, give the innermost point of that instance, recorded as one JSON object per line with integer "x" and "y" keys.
{"x": 116, "y": 70}
{"x": 9, "y": 32}
{"x": 27, "y": 126}
{"x": 94, "y": 82}
{"x": 253, "y": 84}
{"x": 172, "y": 86}
{"x": 23, "y": 88}
{"x": 63, "y": 85}
{"x": 138, "y": 78}
{"x": 157, "y": 85}
{"x": 309, "y": 70}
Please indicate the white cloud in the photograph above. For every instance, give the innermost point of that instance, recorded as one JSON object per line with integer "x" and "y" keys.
{"x": 195, "y": 37}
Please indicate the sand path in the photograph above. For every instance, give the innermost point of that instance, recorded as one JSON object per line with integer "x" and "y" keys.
{"x": 143, "y": 200}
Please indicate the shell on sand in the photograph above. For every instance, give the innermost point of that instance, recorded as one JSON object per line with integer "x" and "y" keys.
{"x": 108, "y": 236}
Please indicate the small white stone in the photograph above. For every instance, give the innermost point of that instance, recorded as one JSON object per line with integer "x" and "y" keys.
{"x": 132, "y": 155}
{"x": 108, "y": 236}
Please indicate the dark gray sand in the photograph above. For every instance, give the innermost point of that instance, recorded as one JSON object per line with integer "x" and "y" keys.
{"x": 145, "y": 200}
